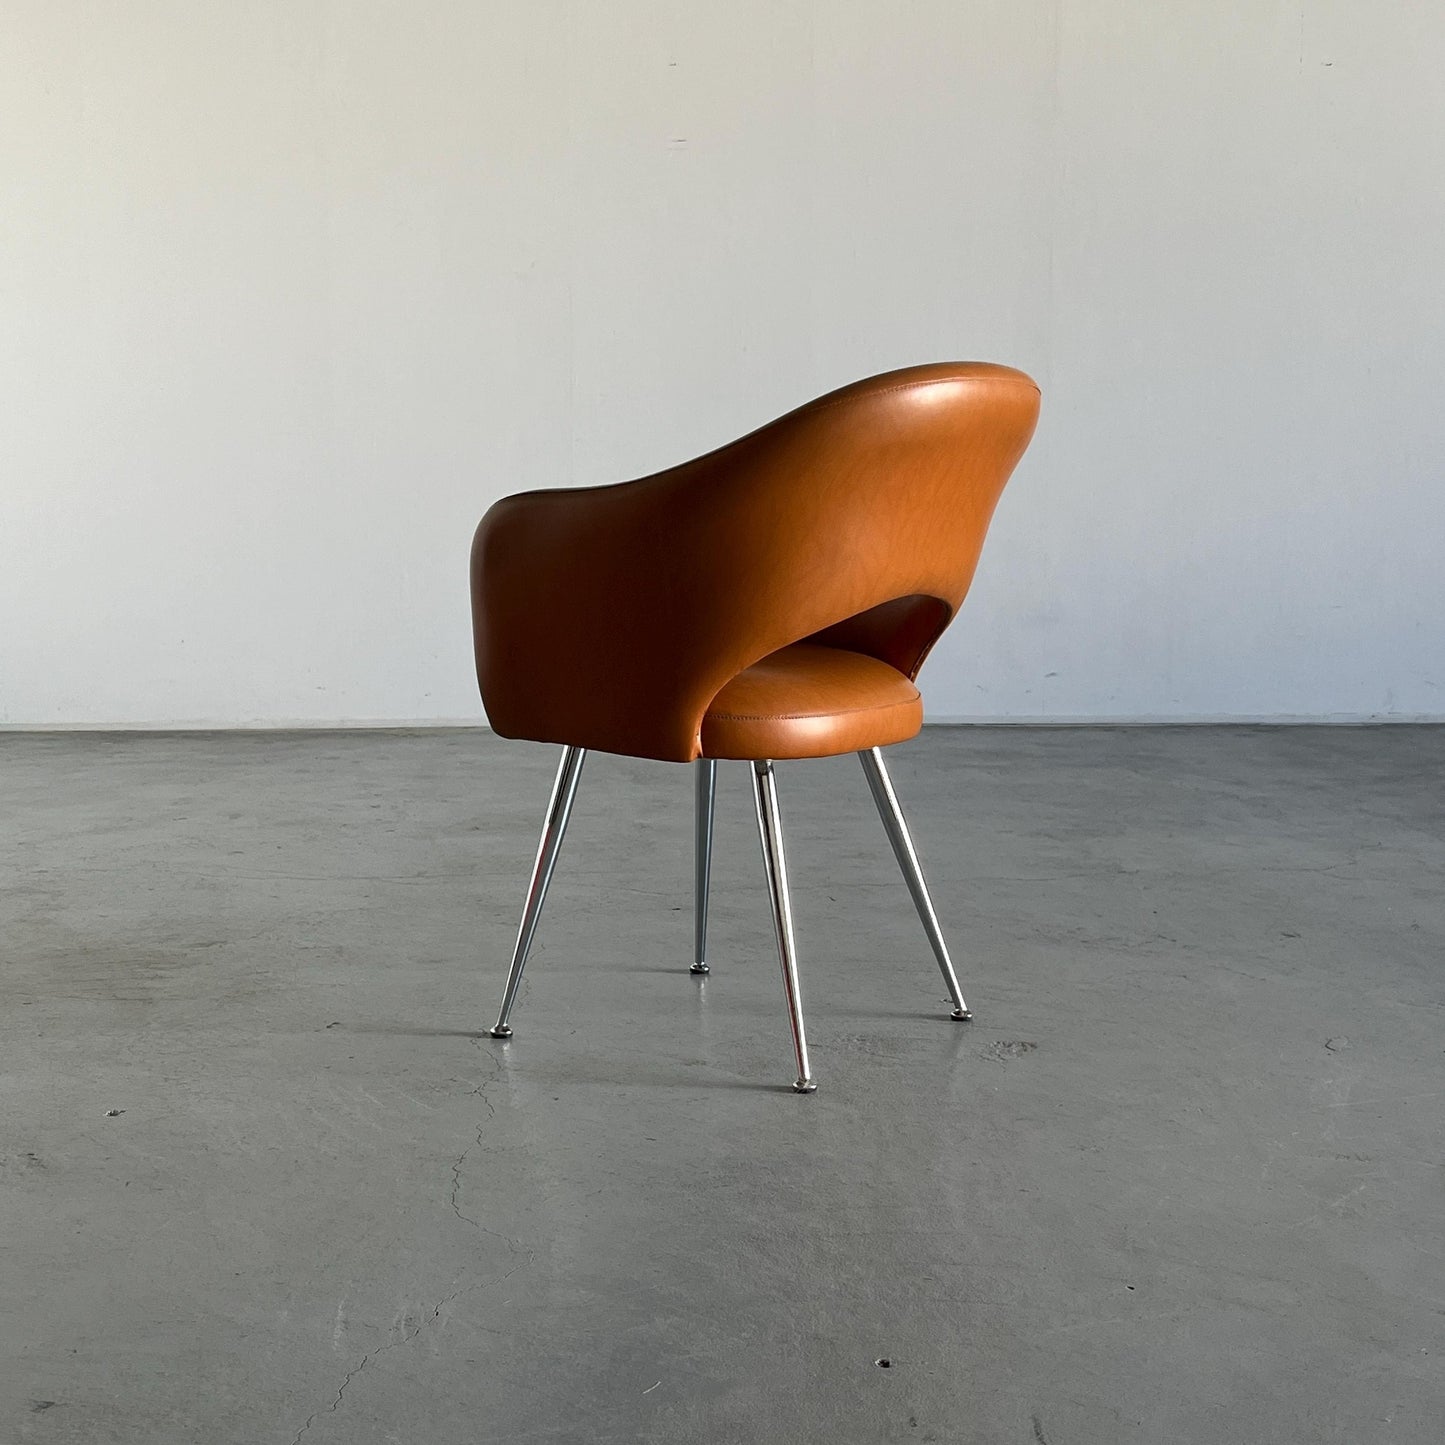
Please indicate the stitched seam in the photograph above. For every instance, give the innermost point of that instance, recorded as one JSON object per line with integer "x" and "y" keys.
{"x": 805, "y": 716}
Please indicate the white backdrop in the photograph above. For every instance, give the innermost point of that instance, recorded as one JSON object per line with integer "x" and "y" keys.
{"x": 289, "y": 292}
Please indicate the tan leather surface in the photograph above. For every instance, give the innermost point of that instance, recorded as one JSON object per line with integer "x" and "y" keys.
{"x": 809, "y": 701}
{"x": 612, "y": 617}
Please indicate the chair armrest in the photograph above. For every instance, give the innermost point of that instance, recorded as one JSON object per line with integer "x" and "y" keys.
{"x": 586, "y": 607}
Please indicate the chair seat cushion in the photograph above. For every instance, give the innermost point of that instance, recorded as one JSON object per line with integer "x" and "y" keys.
{"x": 807, "y": 701}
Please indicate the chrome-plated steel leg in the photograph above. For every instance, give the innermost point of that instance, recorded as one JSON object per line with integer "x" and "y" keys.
{"x": 770, "y": 831}
{"x": 881, "y": 786}
{"x": 564, "y": 790}
{"x": 706, "y": 798}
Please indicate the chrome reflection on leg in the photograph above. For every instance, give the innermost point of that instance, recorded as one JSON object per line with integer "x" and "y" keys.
{"x": 706, "y": 799}
{"x": 770, "y": 832}
{"x": 559, "y": 809}
{"x": 881, "y": 786}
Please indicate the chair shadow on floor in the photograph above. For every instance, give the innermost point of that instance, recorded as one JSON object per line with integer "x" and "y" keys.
{"x": 578, "y": 1070}
{"x": 409, "y": 1031}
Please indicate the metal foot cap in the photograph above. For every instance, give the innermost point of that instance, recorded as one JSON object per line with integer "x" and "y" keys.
{"x": 502, "y": 1031}
{"x": 804, "y": 1086}
{"x": 962, "y": 1014}
{"x": 699, "y": 968}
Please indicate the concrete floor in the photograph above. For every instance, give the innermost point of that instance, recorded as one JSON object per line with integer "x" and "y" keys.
{"x": 1181, "y": 1180}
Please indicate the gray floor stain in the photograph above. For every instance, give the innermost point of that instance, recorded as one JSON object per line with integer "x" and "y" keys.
{"x": 1001, "y": 1050}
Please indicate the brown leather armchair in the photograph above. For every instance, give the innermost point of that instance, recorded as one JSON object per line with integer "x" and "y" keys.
{"x": 772, "y": 599}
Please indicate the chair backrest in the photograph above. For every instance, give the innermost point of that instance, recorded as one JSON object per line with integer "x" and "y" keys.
{"x": 856, "y": 521}
{"x": 891, "y": 483}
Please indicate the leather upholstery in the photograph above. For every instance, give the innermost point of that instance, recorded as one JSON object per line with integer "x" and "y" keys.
{"x": 659, "y": 618}
{"x": 809, "y": 701}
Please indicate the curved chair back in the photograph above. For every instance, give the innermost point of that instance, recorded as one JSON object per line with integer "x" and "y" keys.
{"x": 610, "y": 617}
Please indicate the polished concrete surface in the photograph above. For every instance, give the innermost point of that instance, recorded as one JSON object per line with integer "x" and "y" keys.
{"x": 264, "y": 1177}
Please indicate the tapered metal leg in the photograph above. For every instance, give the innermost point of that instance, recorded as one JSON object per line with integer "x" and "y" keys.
{"x": 881, "y": 786}
{"x": 564, "y": 790}
{"x": 706, "y": 798}
{"x": 770, "y": 830}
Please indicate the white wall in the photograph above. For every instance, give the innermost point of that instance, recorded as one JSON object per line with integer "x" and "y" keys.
{"x": 290, "y": 292}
